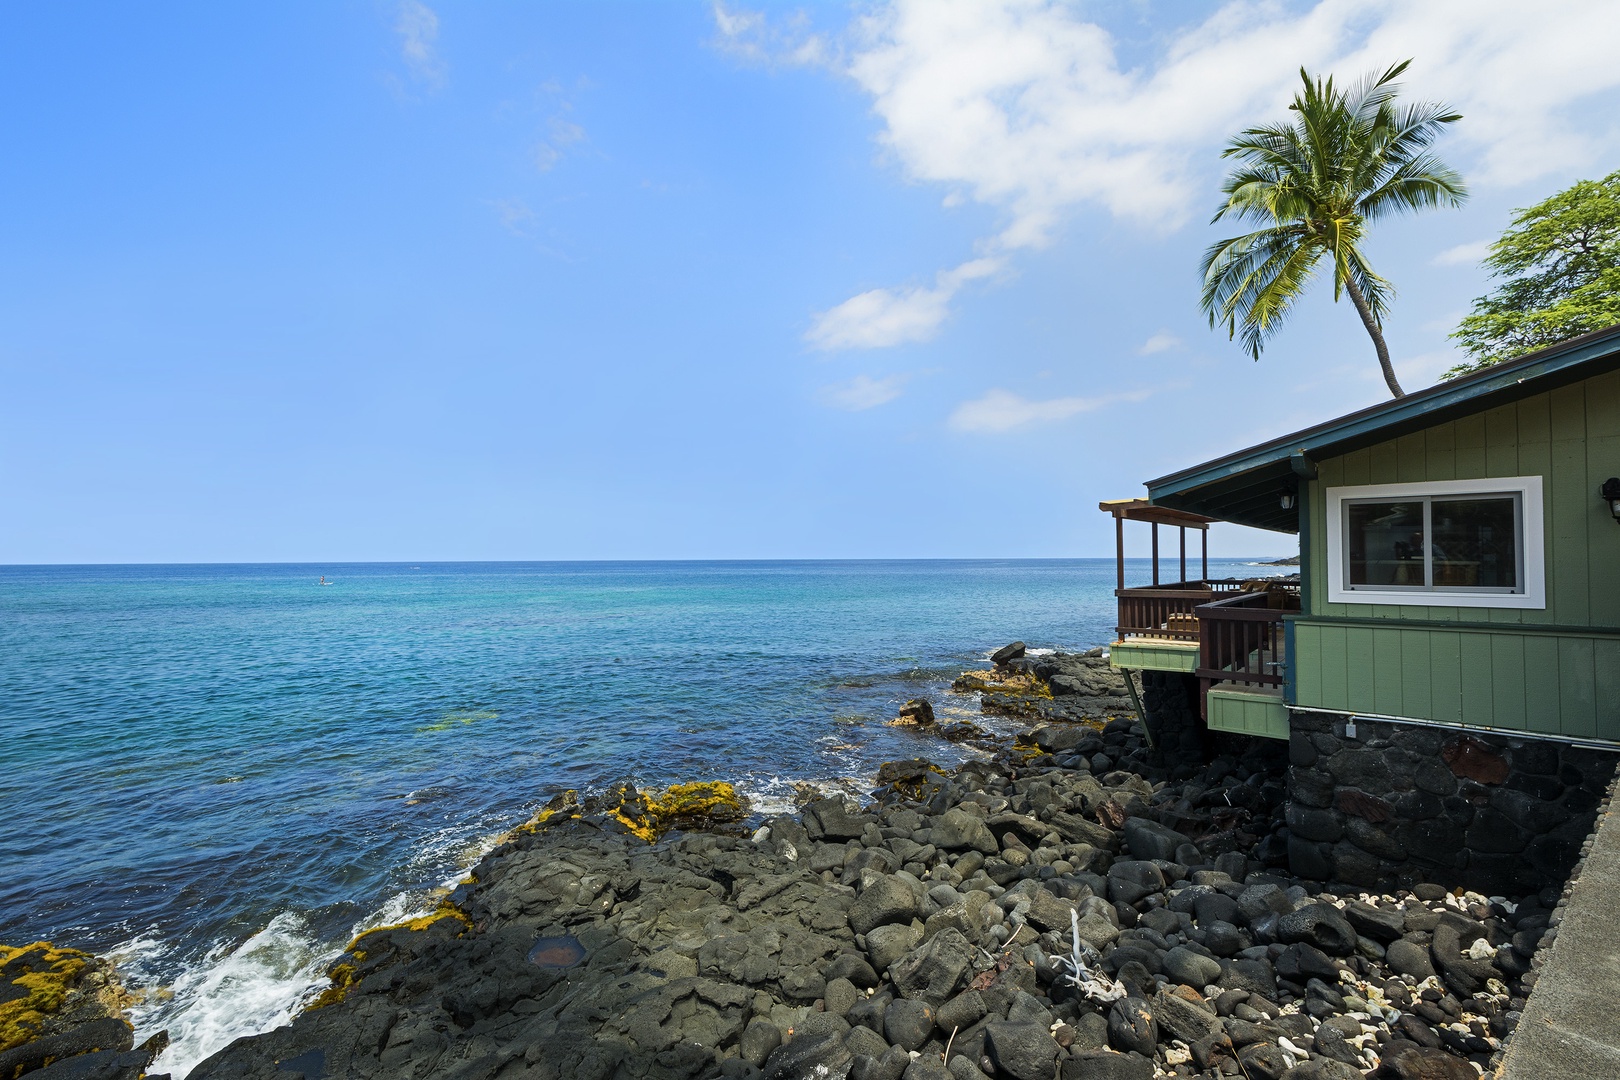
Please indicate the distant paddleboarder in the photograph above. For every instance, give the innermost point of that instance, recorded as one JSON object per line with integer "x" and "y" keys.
{"x": 323, "y": 581}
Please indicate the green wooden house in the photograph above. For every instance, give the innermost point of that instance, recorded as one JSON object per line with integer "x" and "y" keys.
{"x": 1460, "y": 562}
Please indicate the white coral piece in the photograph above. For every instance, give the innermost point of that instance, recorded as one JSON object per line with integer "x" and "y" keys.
{"x": 1093, "y": 984}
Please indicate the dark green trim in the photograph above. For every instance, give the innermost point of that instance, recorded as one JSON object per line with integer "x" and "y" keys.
{"x": 1290, "y": 683}
{"x": 1516, "y": 629}
{"x": 1244, "y": 487}
{"x": 1304, "y": 505}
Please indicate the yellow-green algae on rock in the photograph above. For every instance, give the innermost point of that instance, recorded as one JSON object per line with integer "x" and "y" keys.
{"x": 703, "y": 804}
{"x": 699, "y": 805}
{"x": 345, "y": 973}
{"x": 40, "y": 984}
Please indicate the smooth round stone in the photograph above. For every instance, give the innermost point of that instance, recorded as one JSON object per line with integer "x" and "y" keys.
{"x": 1191, "y": 968}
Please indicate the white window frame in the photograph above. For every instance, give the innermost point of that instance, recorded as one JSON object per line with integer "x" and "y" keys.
{"x": 1533, "y": 591}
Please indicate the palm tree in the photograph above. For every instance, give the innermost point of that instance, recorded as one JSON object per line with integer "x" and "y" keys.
{"x": 1348, "y": 159}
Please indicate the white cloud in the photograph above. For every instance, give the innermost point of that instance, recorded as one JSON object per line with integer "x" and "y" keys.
{"x": 562, "y": 134}
{"x": 1463, "y": 254}
{"x": 515, "y": 215}
{"x": 418, "y": 29}
{"x": 862, "y": 392}
{"x": 881, "y": 317}
{"x": 750, "y": 36}
{"x": 1158, "y": 343}
{"x": 1026, "y": 107}
{"x": 1002, "y": 410}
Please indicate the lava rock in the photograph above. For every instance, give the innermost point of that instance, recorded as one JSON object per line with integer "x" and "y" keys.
{"x": 824, "y": 1055}
{"x": 1424, "y": 1063}
{"x": 887, "y": 944}
{"x": 1263, "y": 1061}
{"x": 1322, "y": 1069}
{"x": 1408, "y": 958}
{"x": 1258, "y": 901}
{"x": 833, "y": 820}
{"x": 1131, "y": 1026}
{"x": 957, "y": 829}
{"x": 1319, "y": 925}
{"x": 758, "y": 1040}
{"x": 934, "y": 971}
{"x": 1147, "y": 839}
{"x": 1181, "y": 1019}
{"x": 1453, "y": 934}
{"x": 907, "y": 1024}
{"x": 1103, "y": 1065}
{"x": 1191, "y": 968}
{"x": 1131, "y": 879}
{"x": 919, "y": 711}
{"x": 1007, "y": 653}
{"x": 1020, "y": 1050}
{"x": 886, "y": 900}
{"x": 863, "y": 1040}
{"x": 1253, "y": 976}
{"x": 1301, "y": 963}
{"x": 891, "y": 1066}
{"x": 1376, "y": 923}
{"x": 962, "y": 1011}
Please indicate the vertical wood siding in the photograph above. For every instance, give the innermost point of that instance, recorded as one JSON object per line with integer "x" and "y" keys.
{"x": 1555, "y": 681}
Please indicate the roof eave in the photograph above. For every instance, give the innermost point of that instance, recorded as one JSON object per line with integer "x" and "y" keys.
{"x": 1204, "y": 489}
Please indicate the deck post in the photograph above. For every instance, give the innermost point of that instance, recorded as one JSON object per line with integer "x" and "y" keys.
{"x": 1183, "y": 531}
{"x": 1155, "y": 553}
{"x": 1119, "y": 547}
{"x": 1205, "y": 575}
{"x": 1136, "y": 703}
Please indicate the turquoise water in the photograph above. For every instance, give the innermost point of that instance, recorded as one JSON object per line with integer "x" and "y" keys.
{"x": 220, "y": 772}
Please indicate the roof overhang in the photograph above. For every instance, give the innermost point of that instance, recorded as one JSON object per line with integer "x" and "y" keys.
{"x": 1247, "y": 487}
{"x": 1143, "y": 510}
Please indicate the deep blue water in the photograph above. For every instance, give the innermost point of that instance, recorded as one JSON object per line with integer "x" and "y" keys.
{"x": 220, "y": 772}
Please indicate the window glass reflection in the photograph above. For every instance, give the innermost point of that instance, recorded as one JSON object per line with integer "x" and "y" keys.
{"x": 1385, "y": 543}
{"x": 1475, "y": 542}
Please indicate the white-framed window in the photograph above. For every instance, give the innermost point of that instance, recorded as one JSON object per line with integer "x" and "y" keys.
{"x": 1444, "y": 543}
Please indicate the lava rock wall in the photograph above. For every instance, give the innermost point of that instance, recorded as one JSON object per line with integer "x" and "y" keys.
{"x": 1179, "y": 735}
{"x": 1498, "y": 814}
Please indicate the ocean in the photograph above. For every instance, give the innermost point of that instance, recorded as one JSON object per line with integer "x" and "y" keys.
{"x": 218, "y": 774}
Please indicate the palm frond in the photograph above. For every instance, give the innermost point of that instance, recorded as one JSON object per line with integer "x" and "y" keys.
{"x": 1345, "y": 158}
{"x": 1424, "y": 183}
{"x": 1271, "y": 291}
{"x": 1253, "y": 280}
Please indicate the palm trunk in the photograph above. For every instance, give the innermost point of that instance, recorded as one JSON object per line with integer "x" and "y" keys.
{"x": 1377, "y": 335}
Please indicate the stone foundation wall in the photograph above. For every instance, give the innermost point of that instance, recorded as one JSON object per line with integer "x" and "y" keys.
{"x": 1498, "y": 814}
{"x": 1171, "y": 703}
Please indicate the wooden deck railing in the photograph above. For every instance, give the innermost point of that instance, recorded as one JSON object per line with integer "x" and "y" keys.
{"x": 1240, "y": 639}
{"x": 1167, "y": 611}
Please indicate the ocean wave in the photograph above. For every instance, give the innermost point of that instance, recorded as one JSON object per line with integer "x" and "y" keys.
{"x": 236, "y": 989}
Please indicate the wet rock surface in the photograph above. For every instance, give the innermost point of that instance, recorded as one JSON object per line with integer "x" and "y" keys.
{"x": 1050, "y": 686}
{"x": 1079, "y": 906}
{"x": 62, "y": 1016}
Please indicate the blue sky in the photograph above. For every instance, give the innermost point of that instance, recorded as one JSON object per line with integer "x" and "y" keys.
{"x": 353, "y": 281}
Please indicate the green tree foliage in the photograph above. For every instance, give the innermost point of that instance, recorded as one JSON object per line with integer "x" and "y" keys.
{"x": 1348, "y": 159}
{"x": 1558, "y": 266}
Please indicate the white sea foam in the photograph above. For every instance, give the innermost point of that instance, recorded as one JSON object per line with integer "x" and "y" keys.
{"x": 235, "y": 990}
{"x": 238, "y": 989}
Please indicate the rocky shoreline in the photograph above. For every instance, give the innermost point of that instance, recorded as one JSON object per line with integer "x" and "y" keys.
{"x": 1079, "y": 905}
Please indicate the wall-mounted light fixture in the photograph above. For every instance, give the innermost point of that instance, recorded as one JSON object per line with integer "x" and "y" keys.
{"x": 1611, "y": 494}
{"x": 1290, "y": 497}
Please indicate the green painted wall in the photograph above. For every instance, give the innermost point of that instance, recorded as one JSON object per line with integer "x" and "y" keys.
{"x": 1243, "y": 713}
{"x": 1142, "y": 654}
{"x": 1553, "y": 671}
